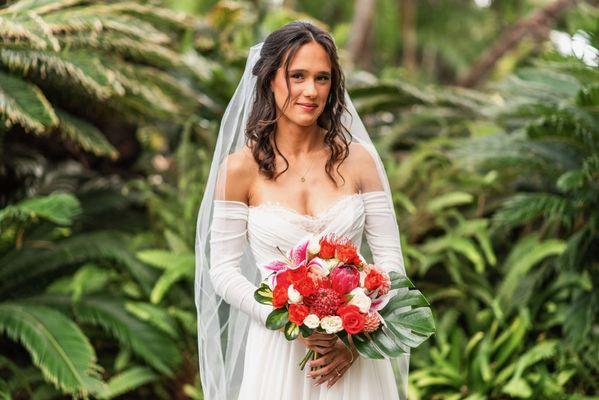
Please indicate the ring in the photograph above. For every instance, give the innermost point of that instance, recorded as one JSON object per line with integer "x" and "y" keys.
{"x": 338, "y": 373}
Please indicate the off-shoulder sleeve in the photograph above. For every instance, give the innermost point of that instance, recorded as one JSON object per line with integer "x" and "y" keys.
{"x": 382, "y": 233}
{"x": 228, "y": 242}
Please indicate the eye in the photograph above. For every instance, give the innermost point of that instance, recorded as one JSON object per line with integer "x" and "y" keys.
{"x": 323, "y": 78}
{"x": 297, "y": 75}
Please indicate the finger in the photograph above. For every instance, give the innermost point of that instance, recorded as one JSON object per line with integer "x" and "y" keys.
{"x": 342, "y": 371}
{"x": 326, "y": 370}
{"x": 321, "y": 361}
{"x": 323, "y": 343}
{"x": 330, "y": 372}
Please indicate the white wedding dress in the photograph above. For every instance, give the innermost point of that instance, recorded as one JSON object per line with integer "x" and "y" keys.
{"x": 271, "y": 368}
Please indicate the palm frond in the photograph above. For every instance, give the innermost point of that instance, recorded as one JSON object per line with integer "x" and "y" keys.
{"x": 127, "y": 381}
{"x": 75, "y": 68}
{"x": 24, "y": 104}
{"x": 524, "y": 207}
{"x": 87, "y": 136}
{"x": 56, "y": 344}
{"x": 149, "y": 343}
{"x": 60, "y": 208}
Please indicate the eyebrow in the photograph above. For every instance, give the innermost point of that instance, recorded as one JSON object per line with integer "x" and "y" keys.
{"x": 327, "y": 73}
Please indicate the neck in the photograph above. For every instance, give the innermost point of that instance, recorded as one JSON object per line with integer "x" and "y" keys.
{"x": 297, "y": 141}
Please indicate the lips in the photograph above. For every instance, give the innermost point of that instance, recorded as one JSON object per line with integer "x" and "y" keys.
{"x": 307, "y": 106}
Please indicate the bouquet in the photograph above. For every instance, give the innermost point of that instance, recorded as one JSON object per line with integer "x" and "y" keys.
{"x": 323, "y": 284}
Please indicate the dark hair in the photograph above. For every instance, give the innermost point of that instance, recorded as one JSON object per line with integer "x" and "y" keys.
{"x": 262, "y": 121}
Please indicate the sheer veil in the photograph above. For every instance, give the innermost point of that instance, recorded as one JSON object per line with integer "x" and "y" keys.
{"x": 222, "y": 330}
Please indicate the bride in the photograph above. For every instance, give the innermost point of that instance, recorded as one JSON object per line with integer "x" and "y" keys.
{"x": 292, "y": 159}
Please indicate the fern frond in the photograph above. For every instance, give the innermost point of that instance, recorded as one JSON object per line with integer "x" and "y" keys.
{"x": 39, "y": 6}
{"x": 85, "y": 135}
{"x": 150, "y": 344}
{"x": 127, "y": 381}
{"x": 20, "y": 268}
{"x": 56, "y": 344}
{"x": 524, "y": 207}
{"x": 77, "y": 68}
{"x": 60, "y": 208}
{"x": 24, "y": 104}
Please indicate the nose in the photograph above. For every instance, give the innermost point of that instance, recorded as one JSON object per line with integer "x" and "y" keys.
{"x": 310, "y": 88}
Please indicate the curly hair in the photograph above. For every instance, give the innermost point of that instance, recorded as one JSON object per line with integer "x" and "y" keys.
{"x": 261, "y": 125}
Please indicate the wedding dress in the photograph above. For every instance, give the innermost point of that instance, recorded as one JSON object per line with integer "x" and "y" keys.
{"x": 271, "y": 363}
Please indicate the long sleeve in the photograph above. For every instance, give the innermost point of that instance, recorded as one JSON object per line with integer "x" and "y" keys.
{"x": 382, "y": 233}
{"x": 228, "y": 242}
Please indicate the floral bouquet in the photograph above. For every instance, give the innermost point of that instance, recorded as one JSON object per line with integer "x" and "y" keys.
{"x": 324, "y": 284}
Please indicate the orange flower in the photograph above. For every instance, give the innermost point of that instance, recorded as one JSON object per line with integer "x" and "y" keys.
{"x": 297, "y": 313}
{"x": 279, "y": 296}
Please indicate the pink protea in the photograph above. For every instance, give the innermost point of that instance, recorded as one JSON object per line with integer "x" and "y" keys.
{"x": 372, "y": 322}
{"x": 345, "y": 278}
{"x": 324, "y": 302}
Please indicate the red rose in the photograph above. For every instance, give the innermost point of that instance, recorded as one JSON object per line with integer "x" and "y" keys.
{"x": 306, "y": 287}
{"x": 373, "y": 280}
{"x": 353, "y": 319}
{"x": 279, "y": 296}
{"x": 284, "y": 278}
{"x": 347, "y": 308}
{"x": 297, "y": 313}
{"x": 327, "y": 248}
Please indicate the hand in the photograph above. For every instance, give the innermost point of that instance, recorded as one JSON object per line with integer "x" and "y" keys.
{"x": 333, "y": 365}
{"x": 322, "y": 343}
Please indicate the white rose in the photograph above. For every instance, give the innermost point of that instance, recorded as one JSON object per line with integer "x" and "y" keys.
{"x": 293, "y": 295}
{"x": 314, "y": 246}
{"x": 360, "y": 300}
{"x": 331, "y": 324}
{"x": 312, "y": 321}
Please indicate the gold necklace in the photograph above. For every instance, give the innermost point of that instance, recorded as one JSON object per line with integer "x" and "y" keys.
{"x": 303, "y": 177}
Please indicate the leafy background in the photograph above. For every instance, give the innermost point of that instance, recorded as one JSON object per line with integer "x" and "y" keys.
{"x": 109, "y": 112}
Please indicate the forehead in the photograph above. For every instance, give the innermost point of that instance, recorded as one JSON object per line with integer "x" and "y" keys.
{"x": 311, "y": 56}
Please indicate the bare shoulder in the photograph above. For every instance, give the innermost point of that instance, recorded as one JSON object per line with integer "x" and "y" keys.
{"x": 239, "y": 172}
{"x": 363, "y": 167}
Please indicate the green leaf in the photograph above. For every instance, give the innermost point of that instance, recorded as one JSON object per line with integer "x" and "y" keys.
{"x": 277, "y": 319}
{"x": 147, "y": 342}
{"x": 366, "y": 347}
{"x": 419, "y": 320}
{"x": 85, "y": 135}
{"x": 291, "y": 331}
{"x": 399, "y": 281}
{"x": 305, "y": 331}
{"x": 60, "y": 208}
{"x": 24, "y": 104}
{"x": 263, "y": 294}
{"x": 405, "y": 299}
{"x": 448, "y": 200}
{"x": 169, "y": 278}
{"x": 154, "y": 315}
{"x": 386, "y": 341}
{"x": 4, "y": 390}
{"x": 127, "y": 381}
{"x": 56, "y": 344}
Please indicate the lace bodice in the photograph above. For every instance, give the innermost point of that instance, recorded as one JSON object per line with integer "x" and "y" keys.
{"x": 270, "y": 225}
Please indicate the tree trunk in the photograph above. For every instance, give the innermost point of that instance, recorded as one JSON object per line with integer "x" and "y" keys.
{"x": 408, "y": 33}
{"x": 360, "y": 33}
{"x": 538, "y": 26}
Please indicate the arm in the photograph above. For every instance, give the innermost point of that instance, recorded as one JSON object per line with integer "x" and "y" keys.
{"x": 228, "y": 237}
{"x": 228, "y": 242}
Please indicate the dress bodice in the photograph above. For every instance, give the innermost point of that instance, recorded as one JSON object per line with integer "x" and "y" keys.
{"x": 272, "y": 225}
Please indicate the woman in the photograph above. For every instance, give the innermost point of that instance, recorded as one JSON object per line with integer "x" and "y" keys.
{"x": 292, "y": 159}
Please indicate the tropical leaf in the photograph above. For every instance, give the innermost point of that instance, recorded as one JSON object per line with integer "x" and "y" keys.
{"x": 85, "y": 135}
{"x": 56, "y": 344}
{"x": 150, "y": 344}
{"x": 24, "y": 104}
{"x": 127, "y": 381}
{"x": 60, "y": 208}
